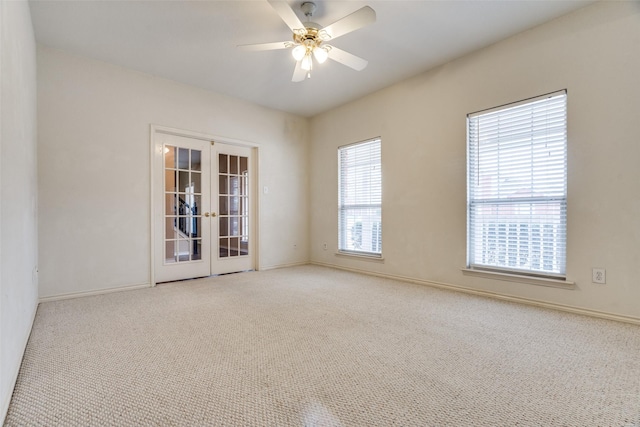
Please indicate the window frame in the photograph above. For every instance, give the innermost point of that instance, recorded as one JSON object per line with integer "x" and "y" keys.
{"x": 376, "y": 226}
{"x": 559, "y": 201}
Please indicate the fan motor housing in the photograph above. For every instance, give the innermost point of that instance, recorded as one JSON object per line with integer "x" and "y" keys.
{"x": 311, "y": 34}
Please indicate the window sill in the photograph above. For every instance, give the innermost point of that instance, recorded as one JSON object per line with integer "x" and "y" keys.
{"x": 531, "y": 280}
{"x": 360, "y": 256}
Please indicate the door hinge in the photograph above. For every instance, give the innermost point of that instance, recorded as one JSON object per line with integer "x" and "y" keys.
{"x": 212, "y": 142}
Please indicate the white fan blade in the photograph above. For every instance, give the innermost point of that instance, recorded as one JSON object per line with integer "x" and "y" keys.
{"x": 265, "y": 46}
{"x": 349, "y": 23}
{"x": 298, "y": 73}
{"x": 347, "y": 59}
{"x": 287, "y": 14}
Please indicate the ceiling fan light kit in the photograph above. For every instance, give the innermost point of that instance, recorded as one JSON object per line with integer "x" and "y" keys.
{"x": 309, "y": 38}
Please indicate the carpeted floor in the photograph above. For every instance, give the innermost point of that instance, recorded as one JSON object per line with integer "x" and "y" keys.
{"x": 311, "y": 346}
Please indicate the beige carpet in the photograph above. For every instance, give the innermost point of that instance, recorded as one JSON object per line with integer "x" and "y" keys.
{"x": 319, "y": 347}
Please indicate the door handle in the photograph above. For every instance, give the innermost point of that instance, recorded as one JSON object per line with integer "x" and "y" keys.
{"x": 213, "y": 214}
{"x": 206, "y": 214}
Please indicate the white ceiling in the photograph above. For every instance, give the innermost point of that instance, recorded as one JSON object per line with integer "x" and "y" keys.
{"x": 194, "y": 42}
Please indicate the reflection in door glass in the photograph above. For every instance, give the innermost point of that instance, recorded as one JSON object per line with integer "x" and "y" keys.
{"x": 234, "y": 205}
{"x": 196, "y": 250}
{"x": 170, "y": 157}
{"x": 233, "y": 226}
{"x": 233, "y": 165}
{"x": 170, "y": 180}
{"x": 222, "y": 163}
{"x": 244, "y": 164}
{"x": 183, "y": 194}
{"x": 223, "y": 206}
{"x": 223, "y": 184}
{"x": 196, "y": 182}
{"x": 170, "y": 204}
{"x": 184, "y": 182}
{"x": 224, "y": 248}
{"x": 195, "y": 160}
{"x": 224, "y": 226}
{"x": 183, "y": 158}
{"x": 170, "y": 230}
{"x": 233, "y": 221}
{"x": 233, "y": 247}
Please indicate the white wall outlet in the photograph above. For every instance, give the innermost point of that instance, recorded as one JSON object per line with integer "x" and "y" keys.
{"x": 265, "y": 189}
{"x": 599, "y": 275}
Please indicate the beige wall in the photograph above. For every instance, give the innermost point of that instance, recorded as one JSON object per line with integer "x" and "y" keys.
{"x": 93, "y": 123}
{"x": 18, "y": 191}
{"x": 594, "y": 54}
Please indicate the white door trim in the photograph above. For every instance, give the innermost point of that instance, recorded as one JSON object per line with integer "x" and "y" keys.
{"x": 155, "y": 129}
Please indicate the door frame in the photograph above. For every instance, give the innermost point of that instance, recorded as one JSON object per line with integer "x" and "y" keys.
{"x": 255, "y": 204}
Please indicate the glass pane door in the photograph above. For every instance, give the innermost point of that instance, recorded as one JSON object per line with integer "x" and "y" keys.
{"x": 233, "y": 204}
{"x": 181, "y": 207}
{"x": 233, "y": 186}
{"x": 183, "y": 198}
{"x": 202, "y": 208}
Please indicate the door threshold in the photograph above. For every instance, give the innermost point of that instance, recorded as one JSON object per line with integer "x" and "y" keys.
{"x": 204, "y": 277}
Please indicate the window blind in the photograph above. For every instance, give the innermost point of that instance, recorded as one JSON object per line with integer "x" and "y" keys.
{"x": 517, "y": 187}
{"x": 360, "y": 198}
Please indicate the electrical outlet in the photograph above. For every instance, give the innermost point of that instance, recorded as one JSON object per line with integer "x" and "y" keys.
{"x": 324, "y": 246}
{"x": 599, "y": 275}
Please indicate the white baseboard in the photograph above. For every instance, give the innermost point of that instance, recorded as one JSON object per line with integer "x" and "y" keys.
{"x": 94, "y": 292}
{"x": 495, "y": 295}
{"x": 273, "y": 267}
{"x": 6, "y": 400}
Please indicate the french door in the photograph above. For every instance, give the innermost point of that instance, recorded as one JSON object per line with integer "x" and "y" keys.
{"x": 203, "y": 208}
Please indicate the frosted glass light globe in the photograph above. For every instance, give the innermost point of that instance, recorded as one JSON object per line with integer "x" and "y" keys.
{"x": 320, "y": 54}
{"x": 298, "y": 52}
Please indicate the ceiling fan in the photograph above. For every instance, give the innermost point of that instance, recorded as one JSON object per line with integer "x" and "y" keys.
{"x": 309, "y": 38}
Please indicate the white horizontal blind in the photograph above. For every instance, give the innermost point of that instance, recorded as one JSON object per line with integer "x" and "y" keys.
{"x": 360, "y": 198}
{"x": 517, "y": 187}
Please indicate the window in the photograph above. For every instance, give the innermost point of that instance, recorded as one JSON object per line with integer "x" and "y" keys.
{"x": 517, "y": 187}
{"x": 360, "y": 198}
